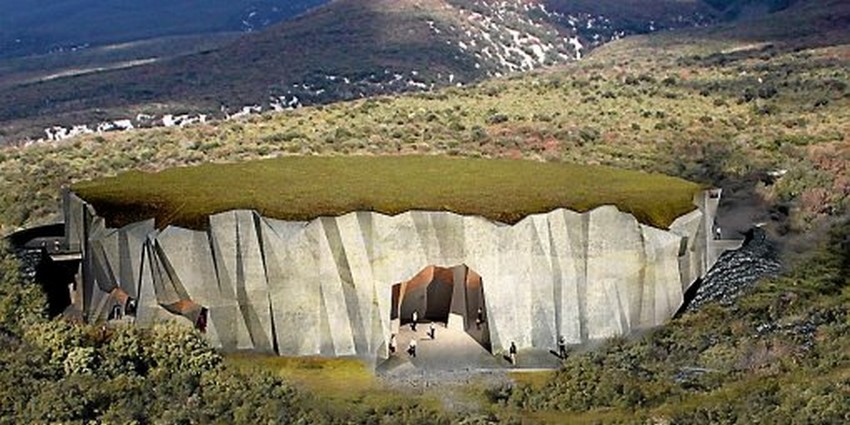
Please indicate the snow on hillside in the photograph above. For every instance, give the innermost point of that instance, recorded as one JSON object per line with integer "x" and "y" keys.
{"x": 495, "y": 38}
{"x": 467, "y": 41}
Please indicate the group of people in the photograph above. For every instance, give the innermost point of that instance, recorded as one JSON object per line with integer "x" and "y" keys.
{"x": 432, "y": 330}
{"x": 411, "y": 346}
{"x": 562, "y": 350}
{"x": 479, "y": 321}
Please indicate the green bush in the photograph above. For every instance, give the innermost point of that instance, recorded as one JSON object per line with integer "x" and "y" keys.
{"x": 497, "y": 119}
{"x": 171, "y": 347}
{"x": 21, "y": 303}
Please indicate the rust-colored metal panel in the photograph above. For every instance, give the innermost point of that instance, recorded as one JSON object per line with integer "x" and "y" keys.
{"x": 435, "y": 292}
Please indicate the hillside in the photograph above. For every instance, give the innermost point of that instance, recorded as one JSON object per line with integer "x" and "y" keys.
{"x": 348, "y": 49}
{"x": 662, "y": 103}
{"x": 31, "y": 69}
{"x": 45, "y": 26}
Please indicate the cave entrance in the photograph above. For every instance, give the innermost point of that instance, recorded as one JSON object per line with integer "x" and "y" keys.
{"x": 453, "y": 296}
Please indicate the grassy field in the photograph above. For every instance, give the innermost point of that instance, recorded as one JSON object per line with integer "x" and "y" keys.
{"x": 303, "y": 188}
{"x": 329, "y": 377}
{"x": 344, "y": 389}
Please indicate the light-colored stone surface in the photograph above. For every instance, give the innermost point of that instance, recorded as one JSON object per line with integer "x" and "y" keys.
{"x": 75, "y": 226}
{"x": 324, "y": 287}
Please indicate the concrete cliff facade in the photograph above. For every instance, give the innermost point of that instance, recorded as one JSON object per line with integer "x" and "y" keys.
{"x": 335, "y": 286}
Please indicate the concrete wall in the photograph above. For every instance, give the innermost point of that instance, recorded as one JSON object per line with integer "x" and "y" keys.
{"x": 324, "y": 287}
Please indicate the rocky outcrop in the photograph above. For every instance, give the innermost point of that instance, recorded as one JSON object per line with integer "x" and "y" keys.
{"x": 324, "y": 287}
{"x": 737, "y": 270}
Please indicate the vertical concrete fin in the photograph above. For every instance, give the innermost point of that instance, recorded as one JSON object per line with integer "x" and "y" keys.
{"x": 259, "y": 238}
{"x": 169, "y": 273}
{"x": 189, "y": 257}
{"x": 356, "y": 307}
{"x": 252, "y": 287}
{"x": 104, "y": 272}
{"x": 353, "y": 250}
{"x": 544, "y": 303}
{"x": 336, "y": 301}
{"x": 148, "y": 308}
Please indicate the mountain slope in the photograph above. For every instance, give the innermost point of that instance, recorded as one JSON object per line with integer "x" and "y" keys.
{"x": 344, "y": 50}
{"x": 41, "y": 26}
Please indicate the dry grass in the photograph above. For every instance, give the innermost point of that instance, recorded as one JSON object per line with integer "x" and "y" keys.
{"x": 337, "y": 377}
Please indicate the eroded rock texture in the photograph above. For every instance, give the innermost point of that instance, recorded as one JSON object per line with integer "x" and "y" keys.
{"x": 324, "y": 287}
{"x": 738, "y": 270}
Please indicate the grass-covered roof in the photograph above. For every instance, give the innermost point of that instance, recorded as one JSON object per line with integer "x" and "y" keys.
{"x": 303, "y": 188}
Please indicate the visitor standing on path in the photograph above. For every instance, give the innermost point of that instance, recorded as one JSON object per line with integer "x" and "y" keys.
{"x": 415, "y": 319}
{"x": 393, "y": 344}
{"x": 432, "y": 330}
{"x": 562, "y": 348}
{"x": 512, "y": 352}
{"x": 411, "y": 347}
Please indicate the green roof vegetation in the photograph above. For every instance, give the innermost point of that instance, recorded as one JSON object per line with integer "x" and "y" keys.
{"x": 303, "y": 188}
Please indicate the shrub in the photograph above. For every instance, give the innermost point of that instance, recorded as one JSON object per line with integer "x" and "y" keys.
{"x": 123, "y": 353}
{"x": 21, "y": 303}
{"x": 479, "y": 134}
{"x": 497, "y": 118}
{"x": 175, "y": 348}
{"x": 55, "y": 339}
{"x": 80, "y": 361}
{"x": 767, "y": 91}
{"x": 257, "y": 398}
{"x": 589, "y": 134}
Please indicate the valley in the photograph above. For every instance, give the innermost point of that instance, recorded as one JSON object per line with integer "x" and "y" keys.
{"x": 749, "y": 97}
{"x": 345, "y": 50}
{"x": 44, "y": 26}
{"x": 32, "y": 69}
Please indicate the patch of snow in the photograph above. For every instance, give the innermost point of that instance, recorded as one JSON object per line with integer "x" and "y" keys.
{"x": 577, "y": 46}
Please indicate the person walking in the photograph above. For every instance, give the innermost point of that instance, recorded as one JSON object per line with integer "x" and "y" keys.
{"x": 415, "y": 319}
{"x": 479, "y": 317}
{"x": 393, "y": 344}
{"x": 411, "y": 347}
{"x": 562, "y": 347}
{"x": 432, "y": 330}
{"x": 512, "y": 352}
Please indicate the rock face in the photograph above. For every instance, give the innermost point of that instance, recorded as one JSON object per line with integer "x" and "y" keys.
{"x": 738, "y": 270}
{"x": 325, "y": 287}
